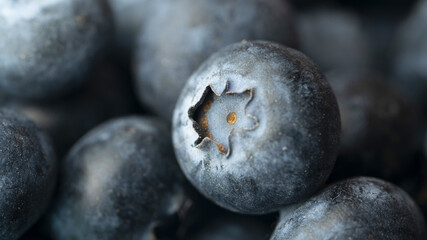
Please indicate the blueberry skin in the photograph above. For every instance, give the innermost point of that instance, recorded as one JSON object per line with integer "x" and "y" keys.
{"x": 48, "y": 46}
{"x": 357, "y": 208}
{"x": 333, "y": 38}
{"x": 179, "y": 36}
{"x": 287, "y": 134}
{"x": 410, "y": 52}
{"x": 380, "y": 128}
{"x": 118, "y": 182}
{"x": 27, "y": 174}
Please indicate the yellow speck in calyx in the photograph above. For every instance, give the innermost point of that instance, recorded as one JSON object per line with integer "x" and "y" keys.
{"x": 232, "y": 118}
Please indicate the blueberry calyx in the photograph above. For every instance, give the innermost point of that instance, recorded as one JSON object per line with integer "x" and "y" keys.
{"x": 216, "y": 116}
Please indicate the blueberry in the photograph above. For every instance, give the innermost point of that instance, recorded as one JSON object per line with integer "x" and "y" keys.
{"x": 27, "y": 174}
{"x": 380, "y": 128}
{"x": 333, "y": 38}
{"x": 256, "y": 127}
{"x": 118, "y": 182}
{"x": 179, "y": 36}
{"x": 358, "y": 208}
{"x": 410, "y": 72}
{"x": 47, "y": 46}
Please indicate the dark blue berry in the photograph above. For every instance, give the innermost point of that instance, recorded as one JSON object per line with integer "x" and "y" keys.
{"x": 256, "y": 127}
{"x": 48, "y": 46}
{"x": 27, "y": 174}
{"x": 358, "y": 208}
{"x": 118, "y": 182}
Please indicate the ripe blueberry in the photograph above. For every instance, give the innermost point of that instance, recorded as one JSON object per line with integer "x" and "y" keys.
{"x": 47, "y": 46}
{"x": 27, "y": 174}
{"x": 118, "y": 182}
{"x": 358, "y": 208}
{"x": 256, "y": 127}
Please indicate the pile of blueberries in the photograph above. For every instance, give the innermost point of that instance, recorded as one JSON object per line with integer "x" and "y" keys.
{"x": 213, "y": 119}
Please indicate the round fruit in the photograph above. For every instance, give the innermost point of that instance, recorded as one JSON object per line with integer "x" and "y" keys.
{"x": 358, "y": 208}
{"x": 118, "y": 182}
{"x": 256, "y": 127}
{"x": 27, "y": 174}
{"x": 47, "y": 46}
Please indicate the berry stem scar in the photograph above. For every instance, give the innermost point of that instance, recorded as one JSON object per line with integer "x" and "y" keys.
{"x": 215, "y": 117}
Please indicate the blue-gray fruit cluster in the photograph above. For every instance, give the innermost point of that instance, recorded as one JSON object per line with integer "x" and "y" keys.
{"x": 247, "y": 123}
